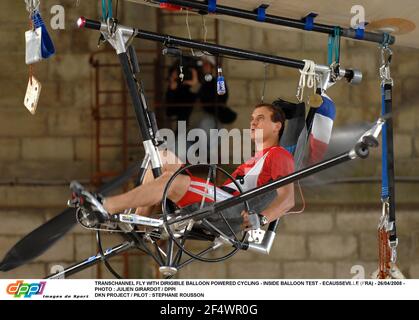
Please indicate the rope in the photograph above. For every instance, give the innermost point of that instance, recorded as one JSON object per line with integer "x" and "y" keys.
{"x": 386, "y": 56}
{"x": 205, "y": 29}
{"x": 384, "y": 255}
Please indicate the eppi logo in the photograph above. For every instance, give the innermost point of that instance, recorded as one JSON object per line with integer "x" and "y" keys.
{"x": 27, "y": 290}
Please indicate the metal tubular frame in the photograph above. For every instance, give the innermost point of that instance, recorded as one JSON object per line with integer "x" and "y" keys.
{"x": 282, "y": 21}
{"x": 128, "y": 32}
{"x": 148, "y": 136}
{"x": 92, "y": 261}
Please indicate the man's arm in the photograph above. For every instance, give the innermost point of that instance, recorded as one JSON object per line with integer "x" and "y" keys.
{"x": 282, "y": 203}
{"x": 278, "y": 208}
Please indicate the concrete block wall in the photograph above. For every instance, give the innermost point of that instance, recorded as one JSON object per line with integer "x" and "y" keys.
{"x": 331, "y": 242}
{"x": 40, "y": 154}
{"x": 338, "y": 229}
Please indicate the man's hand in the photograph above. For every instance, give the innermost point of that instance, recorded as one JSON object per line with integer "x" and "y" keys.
{"x": 250, "y": 221}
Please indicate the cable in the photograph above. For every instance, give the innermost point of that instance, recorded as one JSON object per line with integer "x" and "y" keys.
{"x": 189, "y": 31}
{"x": 302, "y": 199}
{"x": 104, "y": 259}
{"x": 264, "y": 82}
{"x": 307, "y": 79}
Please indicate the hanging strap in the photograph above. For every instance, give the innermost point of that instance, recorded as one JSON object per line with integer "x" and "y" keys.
{"x": 48, "y": 48}
{"x": 388, "y": 181}
{"x": 334, "y": 47}
{"x": 107, "y": 11}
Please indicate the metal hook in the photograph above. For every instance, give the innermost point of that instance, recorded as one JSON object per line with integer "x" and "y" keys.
{"x": 384, "y": 216}
{"x": 386, "y": 55}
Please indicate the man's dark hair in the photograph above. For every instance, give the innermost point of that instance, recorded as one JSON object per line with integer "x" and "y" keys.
{"x": 278, "y": 115}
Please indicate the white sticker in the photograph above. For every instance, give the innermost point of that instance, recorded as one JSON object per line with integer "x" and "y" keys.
{"x": 32, "y": 95}
{"x": 33, "y": 45}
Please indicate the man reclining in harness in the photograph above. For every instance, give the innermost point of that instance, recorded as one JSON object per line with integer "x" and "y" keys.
{"x": 270, "y": 162}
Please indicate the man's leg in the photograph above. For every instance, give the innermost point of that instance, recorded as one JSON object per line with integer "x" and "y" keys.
{"x": 171, "y": 163}
{"x": 149, "y": 194}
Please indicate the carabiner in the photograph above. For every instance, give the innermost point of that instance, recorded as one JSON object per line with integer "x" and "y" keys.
{"x": 386, "y": 58}
{"x": 384, "y": 215}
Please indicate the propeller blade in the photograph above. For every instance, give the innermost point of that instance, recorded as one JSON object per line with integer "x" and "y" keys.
{"x": 346, "y": 137}
{"x": 39, "y": 240}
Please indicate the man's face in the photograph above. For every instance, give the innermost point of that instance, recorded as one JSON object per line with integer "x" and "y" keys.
{"x": 261, "y": 125}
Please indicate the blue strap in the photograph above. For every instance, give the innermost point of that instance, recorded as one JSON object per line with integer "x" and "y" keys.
{"x": 261, "y": 11}
{"x": 309, "y": 21}
{"x": 104, "y": 13}
{"x": 384, "y": 173}
{"x": 359, "y": 33}
{"x": 212, "y": 6}
{"x": 47, "y": 46}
